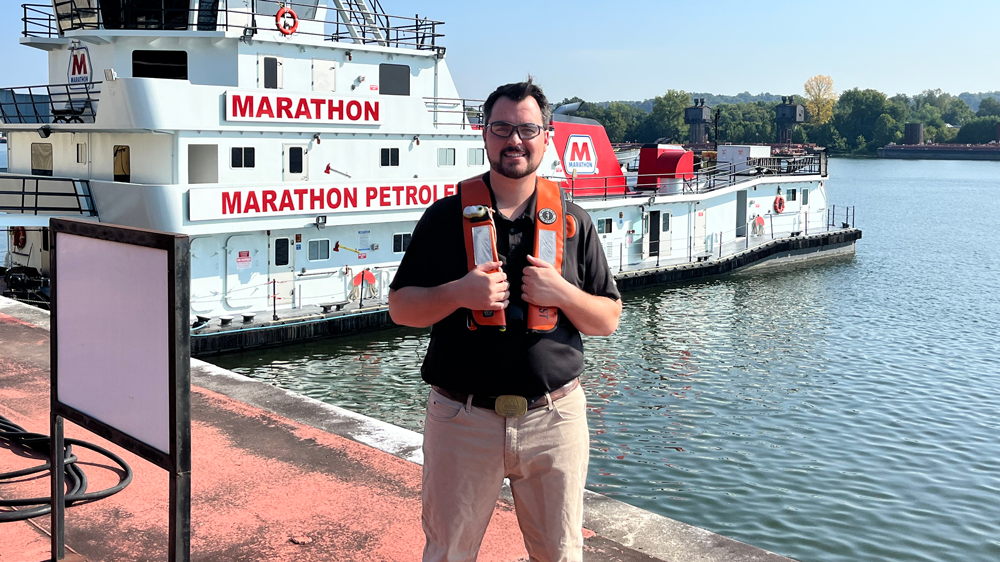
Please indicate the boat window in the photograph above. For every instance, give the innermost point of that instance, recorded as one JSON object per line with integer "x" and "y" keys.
{"x": 604, "y": 226}
{"x": 272, "y": 72}
{"x": 393, "y": 80}
{"x": 170, "y": 65}
{"x": 295, "y": 160}
{"x": 203, "y": 163}
{"x": 666, "y": 222}
{"x": 791, "y": 195}
{"x": 390, "y": 157}
{"x": 41, "y": 159}
{"x": 400, "y": 242}
{"x": 281, "y": 251}
{"x": 319, "y": 250}
{"x": 805, "y": 196}
{"x": 123, "y": 163}
{"x": 476, "y": 157}
{"x": 81, "y": 153}
{"x": 446, "y": 157}
{"x": 243, "y": 157}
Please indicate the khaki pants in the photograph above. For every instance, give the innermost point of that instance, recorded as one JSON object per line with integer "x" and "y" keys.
{"x": 467, "y": 453}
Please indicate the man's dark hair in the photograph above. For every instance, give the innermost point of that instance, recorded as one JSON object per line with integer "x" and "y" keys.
{"x": 519, "y": 91}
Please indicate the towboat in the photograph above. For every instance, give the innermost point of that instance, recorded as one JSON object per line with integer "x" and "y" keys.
{"x": 297, "y": 144}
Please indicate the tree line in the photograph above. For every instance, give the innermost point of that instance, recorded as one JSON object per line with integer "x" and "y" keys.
{"x": 858, "y": 121}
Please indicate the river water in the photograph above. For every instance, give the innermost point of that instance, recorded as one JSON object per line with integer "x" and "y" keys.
{"x": 838, "y": 411}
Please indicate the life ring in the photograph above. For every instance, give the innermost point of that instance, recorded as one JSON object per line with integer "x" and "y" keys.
{"x": 779, "y": 204}
{"x": 279, "y": 20}
{"x": 20, "y": 236}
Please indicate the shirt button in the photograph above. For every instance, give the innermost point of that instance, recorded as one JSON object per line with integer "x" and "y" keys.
{"x": 512, "y": 231}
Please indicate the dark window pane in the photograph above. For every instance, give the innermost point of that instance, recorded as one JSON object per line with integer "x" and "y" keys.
{"x": 237, "y": 158}
{"x": 172, "y": 65}
{"x": 406, "y": 241}
{"x": 805, "y": 196}
{"x": 295, "y": 160}
{"x": 394, "y": 157}
{"x": 249, "y": 157}
{"x": 393, "y": 79}
{"x": 397, "y": 243}
{"x": 385, "y": 156}
{"x": 271, "y": 73}
{"x": 281, "y": 251}
{"x": 123, "y": 163}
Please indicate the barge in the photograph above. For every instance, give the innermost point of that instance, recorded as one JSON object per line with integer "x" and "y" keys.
{"x": 298, "y": 144}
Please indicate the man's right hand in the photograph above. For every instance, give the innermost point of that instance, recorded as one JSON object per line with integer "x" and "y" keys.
{"x": 484, "y": 288}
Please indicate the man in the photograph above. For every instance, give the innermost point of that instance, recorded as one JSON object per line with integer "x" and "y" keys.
{"x": 505, "y": 351}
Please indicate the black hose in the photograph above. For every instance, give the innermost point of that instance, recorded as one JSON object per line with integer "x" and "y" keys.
{"x": 76, "y": 479}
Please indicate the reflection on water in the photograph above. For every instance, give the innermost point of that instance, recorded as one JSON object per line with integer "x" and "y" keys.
{"x": 839, "y": 411}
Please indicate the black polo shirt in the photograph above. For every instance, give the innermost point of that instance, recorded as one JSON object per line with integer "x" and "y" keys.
{"x": 487, "y": 361}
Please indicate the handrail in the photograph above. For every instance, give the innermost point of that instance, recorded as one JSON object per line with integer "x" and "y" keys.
{"x": 36, "y": 190}
{"x": 471, "y": 111}
{"x": 355, "y": 23}
{"x": 51, "y": 103}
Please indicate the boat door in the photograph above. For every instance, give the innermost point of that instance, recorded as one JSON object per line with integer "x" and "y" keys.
{"x": 741, "y": 213}
{"x": 654, "y": 233}
{"x": 246, "y": 272}
{"x": 665, "y": 244}
{"x": 281, "y": 270}
{"x": 700, "y": 222}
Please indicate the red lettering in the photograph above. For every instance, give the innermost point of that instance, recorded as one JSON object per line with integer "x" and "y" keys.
{"x": 370, "y": 194}
{"x": 399, "y": 193}
{"x": 371, "y": 111}
{"x": 435, "y": 192}
{"x": 411, "y": 195}
{"x": 265, "y": 102}
{"x": 286, "y": 201}
{"x": 301, "y": 193}
{"x": 315, "y": 198}
{"x": 424, "y": 194}
{"x": 318, "y": 107}
{"x": 285, "y": 106}
{"x": 79, "y": 64}
{"x": 269, "y": 197}
{"x": 242, "y": 109}
{"x": 449, "y": 189}
{"x": 383, "y": 199}
{"x": 252, "y": 203}
{"x": 303, "y": 109}
{"x": 231, "y": 203}
{"x": 350, "y": 197}
{"x": 579, "y": 152}
{"x": 331, "y": 109}
{"x": 354, "y": 105}
{"x": 329, "y": 198}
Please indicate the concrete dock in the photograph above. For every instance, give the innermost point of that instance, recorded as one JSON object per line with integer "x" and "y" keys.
{"x": 277, "y": 476}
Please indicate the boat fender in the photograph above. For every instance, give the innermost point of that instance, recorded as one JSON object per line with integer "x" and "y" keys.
{"x": 779, "y": 204}
{"x": 282, "y": 23}
{"x": 20, "y": 237}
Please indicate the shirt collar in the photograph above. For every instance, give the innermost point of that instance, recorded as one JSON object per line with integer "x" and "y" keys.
{"x": 529, "y": 210}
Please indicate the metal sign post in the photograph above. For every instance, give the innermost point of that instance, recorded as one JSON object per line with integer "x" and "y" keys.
{"x": 121, "y": 363}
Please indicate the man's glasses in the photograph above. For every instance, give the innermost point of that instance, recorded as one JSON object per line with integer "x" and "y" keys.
{"x": 504, "y": 129}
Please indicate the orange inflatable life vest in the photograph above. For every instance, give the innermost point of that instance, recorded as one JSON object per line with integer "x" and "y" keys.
{"x": 552, "y": 226}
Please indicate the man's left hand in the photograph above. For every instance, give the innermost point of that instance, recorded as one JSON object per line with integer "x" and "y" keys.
{"x": 542, "y": 284}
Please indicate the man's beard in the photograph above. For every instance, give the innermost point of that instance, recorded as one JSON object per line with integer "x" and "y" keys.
{"x": 512, "y": 170}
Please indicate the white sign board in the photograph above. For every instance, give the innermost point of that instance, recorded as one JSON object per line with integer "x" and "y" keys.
{"x": 279, "y": 106}
{"x": 580, "y": 155}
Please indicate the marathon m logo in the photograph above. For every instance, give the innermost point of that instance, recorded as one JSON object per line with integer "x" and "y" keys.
{"x": 580, "y": 155}
{"x": 78, "y": 74}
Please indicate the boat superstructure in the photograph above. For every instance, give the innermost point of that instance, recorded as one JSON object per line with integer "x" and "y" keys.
{"x": 298, "y": 143}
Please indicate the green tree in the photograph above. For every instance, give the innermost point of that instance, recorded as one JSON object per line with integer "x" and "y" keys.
{"x": 887, "y": 130}
{"x": 979, "y": 130}
{"x": 666, "y": 120}
{"x": 856, "y": 114}
{"x": 989, "y": 107}
{"x": 747, "y": 122}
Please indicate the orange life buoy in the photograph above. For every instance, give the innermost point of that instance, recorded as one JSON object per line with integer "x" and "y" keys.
{"x": 779, "y": 204}
{"x": 20, "y": 236}
{"x": 279, "y": 20}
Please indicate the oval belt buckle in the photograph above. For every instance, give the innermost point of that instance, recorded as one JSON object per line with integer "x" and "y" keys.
{"x": 511, "y": 406}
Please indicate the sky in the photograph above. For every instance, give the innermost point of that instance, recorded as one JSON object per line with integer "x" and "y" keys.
{"x": 635, "y": 50}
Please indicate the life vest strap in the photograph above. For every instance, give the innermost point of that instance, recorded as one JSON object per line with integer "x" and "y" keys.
{"x": 480, "y": 243}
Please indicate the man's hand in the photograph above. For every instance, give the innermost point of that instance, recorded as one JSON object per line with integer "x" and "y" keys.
{"x": 484, "y": 288}
{"x": 543, "y": 285}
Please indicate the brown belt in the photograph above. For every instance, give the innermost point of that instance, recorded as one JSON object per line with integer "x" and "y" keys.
{"x": 509, "y": 405}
